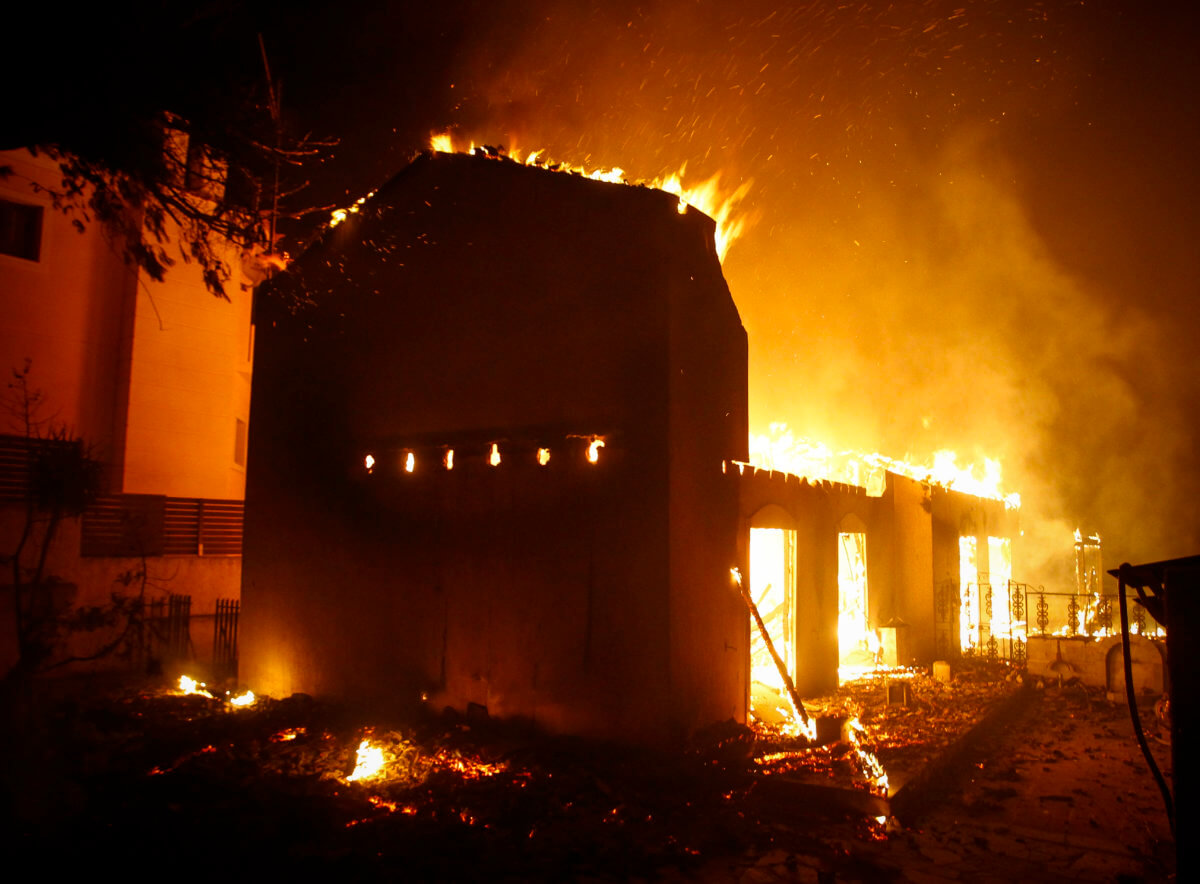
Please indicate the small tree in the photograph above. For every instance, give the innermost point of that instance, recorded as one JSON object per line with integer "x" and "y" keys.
{"x": 62, "y": 479}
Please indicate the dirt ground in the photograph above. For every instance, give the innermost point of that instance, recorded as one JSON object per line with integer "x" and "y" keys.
{"x": 1060, "y": 793}
{"x": 148, "y": 778}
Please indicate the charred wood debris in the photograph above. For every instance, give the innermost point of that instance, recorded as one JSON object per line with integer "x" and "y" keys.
{"x": 148, "y": 773}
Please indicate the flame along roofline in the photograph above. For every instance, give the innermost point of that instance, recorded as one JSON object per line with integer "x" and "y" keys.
{"x": 1010, "y": 501}
{"x": 329, "y": 233}
{"x": 709, "y": 198}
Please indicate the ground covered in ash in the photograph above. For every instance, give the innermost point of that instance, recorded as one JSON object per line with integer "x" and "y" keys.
{"x": 152, "y": 779}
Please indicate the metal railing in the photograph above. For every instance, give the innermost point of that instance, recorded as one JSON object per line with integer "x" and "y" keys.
{"x": 225, "y": 638}
{"x": 996, "y": 622}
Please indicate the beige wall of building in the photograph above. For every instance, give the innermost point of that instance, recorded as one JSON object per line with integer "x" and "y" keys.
{"x": 154, "y": 377}
{"x": 68, "y": 312}
{"x": 189, "y": 386}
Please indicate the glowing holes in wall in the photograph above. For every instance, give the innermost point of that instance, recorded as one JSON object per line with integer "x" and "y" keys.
{"x": 407, "y": 457}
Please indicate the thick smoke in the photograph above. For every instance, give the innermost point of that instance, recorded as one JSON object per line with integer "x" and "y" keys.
{"x": 972, "y": 223}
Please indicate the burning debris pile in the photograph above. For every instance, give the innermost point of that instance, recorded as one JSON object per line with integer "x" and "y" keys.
{"x": 447, "y": 798}
{"x": 295, "y": 783}
{"x": 875, "y": 733}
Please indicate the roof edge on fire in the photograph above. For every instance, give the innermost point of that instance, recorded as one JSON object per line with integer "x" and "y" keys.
{"x": 291, "y": 284}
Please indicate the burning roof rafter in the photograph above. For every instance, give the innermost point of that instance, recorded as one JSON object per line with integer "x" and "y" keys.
{"x": 782, "y": 451}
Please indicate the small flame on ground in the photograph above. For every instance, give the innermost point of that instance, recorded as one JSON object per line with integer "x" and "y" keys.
{"x": 368, "y": 762}
{"x": 448, "y": 460}
{"x": 410, "y": 462}
{"x": 246, "y": 699}
{"x": 872, "y": 768}
{"x": 543, "y": 456}
{"x": 494, "y": 457}
{"x": 369, "y": 462}
{"x": 188, "y": 685}
{"x": 593, "y": 451}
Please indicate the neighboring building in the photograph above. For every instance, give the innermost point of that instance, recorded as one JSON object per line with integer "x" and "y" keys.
{"x": 424, "y": 523}
{"x": 153, "y": 377}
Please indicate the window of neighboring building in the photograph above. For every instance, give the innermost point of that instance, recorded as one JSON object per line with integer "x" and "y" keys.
{"x": 20, "y": 230}
{"x": 239, "y": 443}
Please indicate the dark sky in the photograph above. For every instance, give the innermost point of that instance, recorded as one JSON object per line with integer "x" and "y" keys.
{"x": 974, "y": 224}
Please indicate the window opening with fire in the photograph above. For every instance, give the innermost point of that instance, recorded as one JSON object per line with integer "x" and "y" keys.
{"x": 773, "y": 588}
{"x": 857, "y": 643}
{"x": 968, "y": 588}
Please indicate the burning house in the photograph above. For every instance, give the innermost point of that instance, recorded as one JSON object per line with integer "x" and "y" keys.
{"x": 487, "y": 467}
{"x": 502, "y": 464}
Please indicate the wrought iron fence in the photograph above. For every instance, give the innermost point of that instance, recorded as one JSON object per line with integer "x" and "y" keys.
{"x": 996, "y": 622}
{"x": 992, "y": 622}
{"x": 225, "y": 638}
{"x": 1074, "y": 615}
{"x": 167, "y": 637}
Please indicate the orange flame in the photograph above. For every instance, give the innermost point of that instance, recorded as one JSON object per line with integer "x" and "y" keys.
{"x": 716, "y": 201}
{"x": 782, "y": 450}
{"x": 368, "y": 762}
{"x": 593, "y": 451}
{"x": 188, "y": 685}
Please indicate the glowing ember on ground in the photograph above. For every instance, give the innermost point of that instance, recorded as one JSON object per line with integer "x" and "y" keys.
{"x": 469, "y": 768}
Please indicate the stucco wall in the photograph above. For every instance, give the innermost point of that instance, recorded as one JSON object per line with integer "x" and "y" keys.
{"x": 69, "y": 313}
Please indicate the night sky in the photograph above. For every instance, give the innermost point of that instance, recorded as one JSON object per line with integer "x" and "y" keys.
{"x": 974, "y": 224}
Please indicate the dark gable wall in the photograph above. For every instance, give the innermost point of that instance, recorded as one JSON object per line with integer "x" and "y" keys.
{"x": 474, "y": 301}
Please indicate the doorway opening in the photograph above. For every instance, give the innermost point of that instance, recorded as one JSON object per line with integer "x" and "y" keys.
{"x": 857, "y": 642}
{"x": 773, "y": 588}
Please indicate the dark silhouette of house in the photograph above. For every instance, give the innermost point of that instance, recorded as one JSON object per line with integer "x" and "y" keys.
{"x": 508, "y": 315}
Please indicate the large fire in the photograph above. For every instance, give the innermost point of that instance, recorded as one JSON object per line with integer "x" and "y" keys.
{"x": 782, "y": 450}
{"x": 720, "y": 203}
